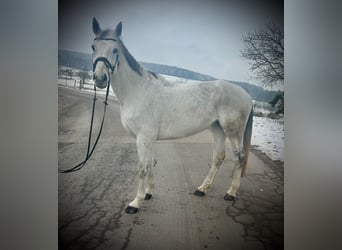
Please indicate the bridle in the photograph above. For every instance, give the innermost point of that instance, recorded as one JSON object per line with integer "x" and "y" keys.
{"x": 111, "y": 68}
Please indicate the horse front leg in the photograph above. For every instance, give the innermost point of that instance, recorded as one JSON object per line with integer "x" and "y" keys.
{"x": 144, "y": 146}
{"x": 149, "y": 181}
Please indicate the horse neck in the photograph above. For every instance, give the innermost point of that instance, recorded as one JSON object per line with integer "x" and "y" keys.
{"x": 127, "y": 83}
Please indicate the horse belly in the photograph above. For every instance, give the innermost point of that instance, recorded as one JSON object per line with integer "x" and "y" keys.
{"x": 184, "y": 126}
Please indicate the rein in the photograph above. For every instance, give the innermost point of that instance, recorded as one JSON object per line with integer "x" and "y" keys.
{"x": 89, "y": 149}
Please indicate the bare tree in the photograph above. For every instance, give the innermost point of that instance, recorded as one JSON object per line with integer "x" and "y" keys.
{"x": 265, "y": 51}
{"x": 83, "y": 75}
{"x": 68, "y": 73}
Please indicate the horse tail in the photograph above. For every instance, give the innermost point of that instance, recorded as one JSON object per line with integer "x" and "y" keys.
{"x": 247, "y": 142}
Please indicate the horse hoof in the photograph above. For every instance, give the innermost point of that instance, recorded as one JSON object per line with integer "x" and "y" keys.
{"x": 199, "y": 193}
{"x": 131, "y": 210}
{"x": 229, "y": 197}
{"x": 148, "y": 196}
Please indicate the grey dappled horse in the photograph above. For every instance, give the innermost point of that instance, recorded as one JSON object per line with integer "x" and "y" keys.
{"x": 153, "y": 109}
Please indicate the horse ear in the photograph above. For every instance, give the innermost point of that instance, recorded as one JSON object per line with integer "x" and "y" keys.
{"x": 96, "y": 26}
{"x": 118, "y": 30}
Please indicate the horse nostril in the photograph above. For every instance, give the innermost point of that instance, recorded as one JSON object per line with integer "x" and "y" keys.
{"x": 101, "y": 78}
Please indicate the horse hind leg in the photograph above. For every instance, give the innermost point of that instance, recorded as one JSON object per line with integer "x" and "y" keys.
{"x": 238, "y": 158}
{"x": 219, "y": 139}
{"x": 240, "y": 140}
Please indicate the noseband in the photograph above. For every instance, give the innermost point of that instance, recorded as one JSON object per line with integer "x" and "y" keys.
{"x": 106, "y": 62}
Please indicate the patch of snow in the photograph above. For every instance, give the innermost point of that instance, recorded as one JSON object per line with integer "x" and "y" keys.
{"x": 88, "y": 87}
{"x": 263, "y": 108}
{"x": 268, "y": 136}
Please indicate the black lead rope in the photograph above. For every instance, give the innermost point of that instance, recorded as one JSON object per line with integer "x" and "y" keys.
{"x": 90, "y": 152}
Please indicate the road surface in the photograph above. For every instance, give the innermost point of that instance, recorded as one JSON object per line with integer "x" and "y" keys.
{"x": 92, "y": 201}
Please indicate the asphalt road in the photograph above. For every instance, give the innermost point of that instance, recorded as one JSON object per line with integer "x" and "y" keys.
{"x": 92, "y": 201}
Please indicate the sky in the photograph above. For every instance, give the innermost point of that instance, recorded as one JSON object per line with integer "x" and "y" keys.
{"x": 203, "y": 36}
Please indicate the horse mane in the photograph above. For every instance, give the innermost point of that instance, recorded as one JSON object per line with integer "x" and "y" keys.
{"x": 134, "y": 64}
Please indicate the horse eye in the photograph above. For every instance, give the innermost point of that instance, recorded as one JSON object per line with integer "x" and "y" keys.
{"x": 92, "y": 47}
{"x": 115, "y": 51}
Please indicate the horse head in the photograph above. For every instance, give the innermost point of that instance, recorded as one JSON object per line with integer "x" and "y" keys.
{"x": 105, "y": 53}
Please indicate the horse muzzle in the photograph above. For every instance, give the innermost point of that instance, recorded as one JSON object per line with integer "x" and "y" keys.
{"x": 101, "y": 82}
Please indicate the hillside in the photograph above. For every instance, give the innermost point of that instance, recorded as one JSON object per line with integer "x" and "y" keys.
{"x": 257, "y": 93}
{"x": 83, "y": 61}
{"x": 175, "y": 71}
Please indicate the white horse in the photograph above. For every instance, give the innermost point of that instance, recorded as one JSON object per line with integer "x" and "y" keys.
{"x": 154, "y": 109}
